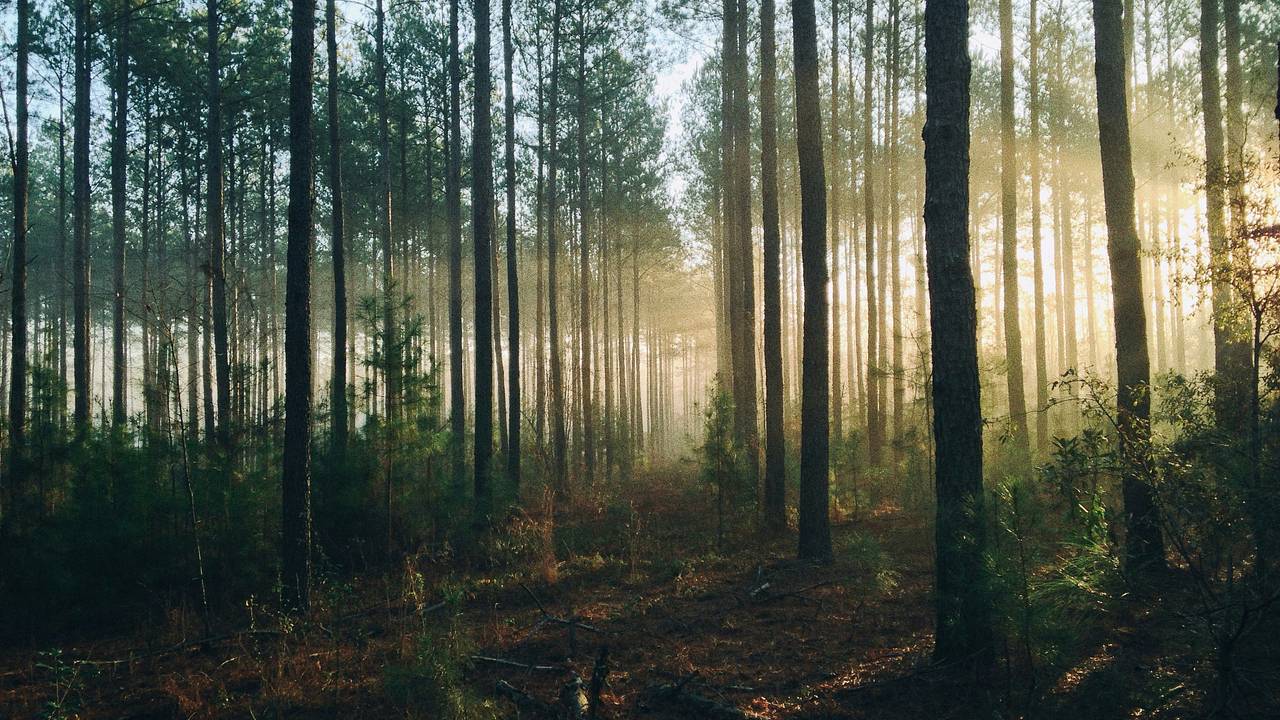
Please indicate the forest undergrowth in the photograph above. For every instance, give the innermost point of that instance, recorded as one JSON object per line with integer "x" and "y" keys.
{"x": 625, "y": 603}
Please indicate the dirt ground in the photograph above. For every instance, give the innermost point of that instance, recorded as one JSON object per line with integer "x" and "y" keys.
{"x": 690, "y": 631}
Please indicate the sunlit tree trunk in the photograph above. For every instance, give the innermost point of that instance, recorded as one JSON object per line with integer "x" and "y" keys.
{"x": 482, "y": 230}
{"x": 453, "y": 208}
{"x": 1230, "y": 354}
{"x": 119, "y": 199}
{"x": 1144, "y": 545}
{"x": 835, "y": 183}
{"x": 559, "y": 442}
{"x": 775, "y": 499}
{"x": 1009, "y": 235}
{"x": 875, "y": 422}
{"x": 215, "y": 229}
{"x": 513, "y": 285}
{"x": 1042, "y": 362}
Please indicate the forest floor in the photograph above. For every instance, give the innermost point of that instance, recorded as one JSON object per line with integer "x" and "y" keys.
{"x": 694, "y": 628}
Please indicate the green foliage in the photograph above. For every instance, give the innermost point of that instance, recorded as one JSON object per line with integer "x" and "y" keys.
{"x": 721, "y": 457}
{"x": 429, "y": 683}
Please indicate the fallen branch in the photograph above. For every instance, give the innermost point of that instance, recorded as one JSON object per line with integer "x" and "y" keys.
{"x": 766, "y": 597}
{"x": 182, "y": 646}
{"x": 524, "y": 700}
{"x": 516, "y": 664}
{"x": 703, "y": 706}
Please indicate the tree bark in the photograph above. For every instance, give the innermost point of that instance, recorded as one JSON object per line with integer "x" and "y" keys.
{"x": 337, "y": 240}
{"x": 119, "y": 208}
{"x": 1144, "y": 545}
{"x": 18, "y": 370}
{"x": 1009, "y": 234}
{"x": 453, "y": 208}
{"x": 482, "y": 228}
{"x": 875, "y": 422}
{"x": 815, "y": 531}
{"x": 513, "y": 285}
{"x": 214, "y": 232}
{"x": 775, "y": 488}
{"x": 296, "y": 500}
{"x": 963, "y": 629}
{"x": 81, "y": 219}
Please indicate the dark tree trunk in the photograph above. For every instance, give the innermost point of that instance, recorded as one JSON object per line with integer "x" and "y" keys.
{"x": 963, "y": 627}
{"x": 513, "y": 285}
{"x": 837, "y": 189}
{"x": 296, "y": 501}
{"x": 775, "y": 489}
{"x": 1144, "y": 546}
{"x": 875, "y": 421}
{"x": 1230, "y": 354}
{"x": 390, "y": 339}
{"x": 81, "y": 220}
{"x": 815, "y": 530}
{"x": 18, "y": 370}
{"x": 338, "y": 389}
{"x": 559, "y": 443}
{"x": 482, "y": 227}
{"x": 214, "y": 231}
{"x": 1009, "y": 233}
{"x": 453, "y": 208}
{"x": 587, "y": 392}
{"x": 119, "y": 208}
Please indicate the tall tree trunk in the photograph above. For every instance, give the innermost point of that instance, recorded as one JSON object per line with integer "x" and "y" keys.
{"x": 119, "y": 198}
{"x": 775, "y": 488}
{"x": 895, "y": 232}
{"x": 1144, "y": 545}
{"x": 18, "y": 377}
{"x": 587, "y": 394}
{"x": 963, "y": 628}
{"x": 835, "y": 183}
{"x": 337, "y": 241}
{"x": 1230, "y": 355}
{"x": 214, "y": 232}
{"x": 453, "y": 208}
{"x": 513, "y": 285}
{"x": 81, "y": 219}
{"x": 390, "y": 339}
{"x": 559, "y": 443}
{"x": 482, "y": 227}
{"x": 1009, "y": 233}
{"x": 875, "y": 422}
{"x": 1033, "y": 109}
{"x": 745, "y": 393}
{"x": 815, "y": 530}
{"x": 296, "y": 500}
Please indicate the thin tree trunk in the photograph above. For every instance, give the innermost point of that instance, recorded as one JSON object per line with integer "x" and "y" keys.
{"x": 775, "y": 489}
{"x": 81, "y": 219}
{"x": 1009, "y": 234}
{"x": 482, "y": 226}
{"x": 1042, "y": 365}
{"x": 337, "y": 241}
{"x": 875, "y": 423}
{"x": 513, "y": 285}
{"x": 453, "y": 208}
{"x": 119, "y": 159}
